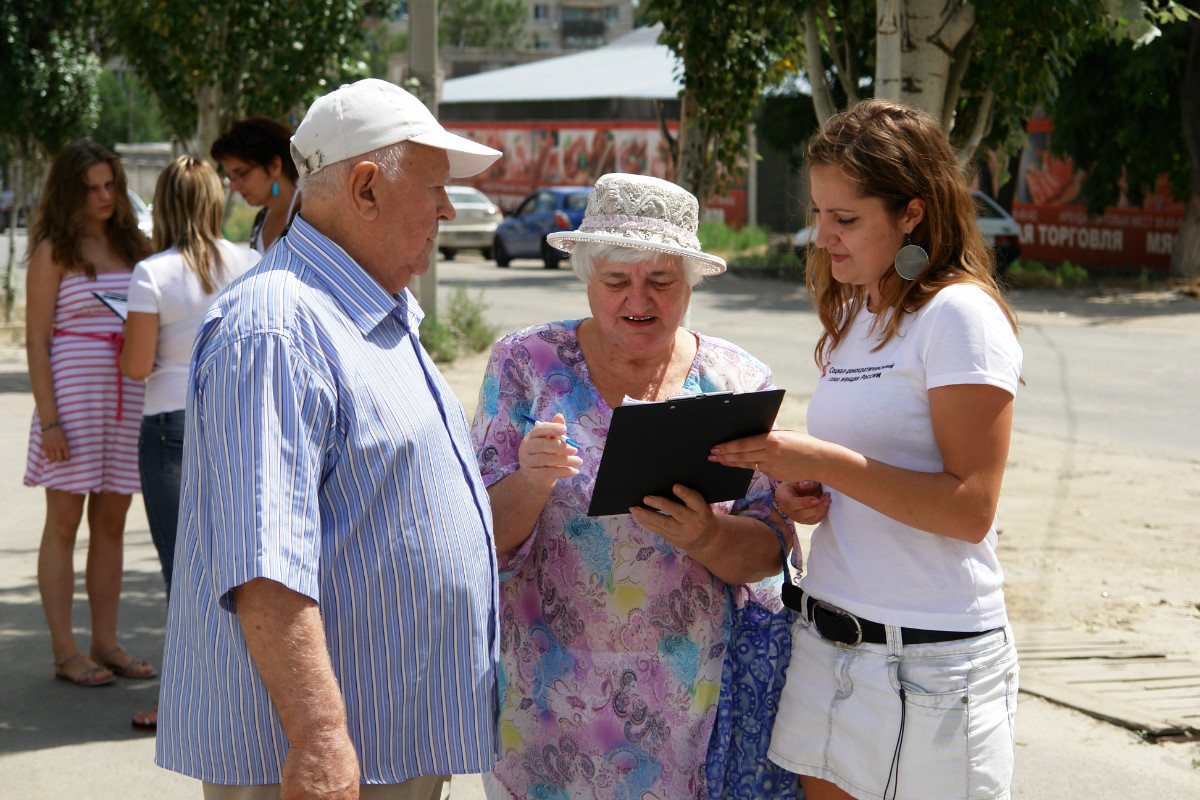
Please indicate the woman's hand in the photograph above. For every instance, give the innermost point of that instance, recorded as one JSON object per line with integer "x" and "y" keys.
{"x": 690, "y": 525}
{"x": 518, "y": 499}
{"x": 545, "y": 457}
{"x": 782, "y": 455}
{"x": 54, "y": 444}
{"x": 806, "y": 502}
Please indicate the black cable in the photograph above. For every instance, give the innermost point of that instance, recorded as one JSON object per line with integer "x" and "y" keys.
{"x": 894, "y": 770}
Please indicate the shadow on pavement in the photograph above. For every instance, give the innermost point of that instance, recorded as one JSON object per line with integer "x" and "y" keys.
{"x": 14, "y": 383}
{"x": 37, "y": 711}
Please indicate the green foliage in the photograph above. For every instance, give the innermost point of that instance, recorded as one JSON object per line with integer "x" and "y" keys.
{"x": 1036, "y": 275}
{"x": 238, "y": 221}
{"x": 216, "y": 60}
{"x": 380, "y": 43}
{"x": 1044, "y": 39}
{"x": 498, "y": 24}
{"x": 720, "y": 238}
{"x": 1124, "y": 129}
{"x": 1015, "y": 54}
{"x": 729, "y": 51}
{"x": 48, "y": 73}
{"x": 464, "y": 331}
{"x": 128, "y": 112}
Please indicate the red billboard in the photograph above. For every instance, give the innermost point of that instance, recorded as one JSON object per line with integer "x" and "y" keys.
{"x": 538, "y": 154}
{"x": 1055, "y": 226}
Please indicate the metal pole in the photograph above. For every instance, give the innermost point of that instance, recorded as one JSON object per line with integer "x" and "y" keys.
{"x": 423, "y": 65}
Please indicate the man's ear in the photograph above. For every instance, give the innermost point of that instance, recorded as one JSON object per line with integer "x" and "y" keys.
{"x": 364, "y": 181}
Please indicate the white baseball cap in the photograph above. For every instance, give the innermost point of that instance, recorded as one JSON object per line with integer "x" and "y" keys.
{"x": 364, "y": 116}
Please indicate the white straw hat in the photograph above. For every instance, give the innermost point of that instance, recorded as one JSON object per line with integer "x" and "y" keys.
{"x": 645, "y": 212}
{"x": 364, "y": 116}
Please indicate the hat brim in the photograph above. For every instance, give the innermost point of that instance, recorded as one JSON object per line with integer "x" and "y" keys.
{"x": 708, "y": 264}
{"x": 467, "y": 158}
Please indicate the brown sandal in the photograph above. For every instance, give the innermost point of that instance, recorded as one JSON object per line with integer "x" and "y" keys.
{"x": 89, "y": 677}
{"x": 136, "y": 668}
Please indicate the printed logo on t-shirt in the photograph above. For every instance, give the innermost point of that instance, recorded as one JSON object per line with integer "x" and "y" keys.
{"x": 851, "y": 374}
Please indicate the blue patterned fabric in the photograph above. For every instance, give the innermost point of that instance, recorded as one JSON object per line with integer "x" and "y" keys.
{"x": 756, "y": 662}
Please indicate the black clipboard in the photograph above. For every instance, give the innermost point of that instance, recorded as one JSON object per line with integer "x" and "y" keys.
{"x": 115, "y": 302}
{"x": 653, "y": 446}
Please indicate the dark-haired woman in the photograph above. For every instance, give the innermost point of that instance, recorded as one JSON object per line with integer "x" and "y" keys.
{"x": 256, "y": 155}
{"x": 83, "y": 440}
{"x": 903, "y": 679}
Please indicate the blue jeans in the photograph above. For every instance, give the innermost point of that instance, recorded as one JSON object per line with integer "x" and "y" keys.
{"x": 160, "y": 462}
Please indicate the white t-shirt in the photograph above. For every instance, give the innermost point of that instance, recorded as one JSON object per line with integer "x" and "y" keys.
{"x": 877, "y": 404}
{"x": 163, "y": 285}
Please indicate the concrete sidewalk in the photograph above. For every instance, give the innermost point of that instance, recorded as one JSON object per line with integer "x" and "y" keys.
{"x": 58, "y": 740}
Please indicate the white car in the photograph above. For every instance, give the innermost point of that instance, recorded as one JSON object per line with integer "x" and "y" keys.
{"x": 142, "y": 211}
{"x": 997, "y": 227}
{"x": 474, "y": 224}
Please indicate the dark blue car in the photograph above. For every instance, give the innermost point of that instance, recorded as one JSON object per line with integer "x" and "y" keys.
{"x": 523, "y": 235}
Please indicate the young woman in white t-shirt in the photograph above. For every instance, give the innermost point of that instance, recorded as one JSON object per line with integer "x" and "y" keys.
{"x": 903, "y": 679}
{"x": 169, "y": 294}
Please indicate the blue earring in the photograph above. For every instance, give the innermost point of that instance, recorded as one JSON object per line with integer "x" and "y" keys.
{"x": 275, "y": 189}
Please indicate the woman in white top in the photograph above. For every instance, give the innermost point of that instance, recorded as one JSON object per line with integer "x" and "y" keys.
{"x": 168, "y": 295}
{"x": 903, "y": 679}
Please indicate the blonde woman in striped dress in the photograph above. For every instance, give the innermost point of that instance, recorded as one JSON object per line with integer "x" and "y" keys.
{"x": 83, "y": 439}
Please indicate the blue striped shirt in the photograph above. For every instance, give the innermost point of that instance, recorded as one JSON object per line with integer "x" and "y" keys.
{"x": 323, "y": 450}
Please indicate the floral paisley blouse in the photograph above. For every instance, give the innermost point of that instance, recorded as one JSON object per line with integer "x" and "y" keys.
{"x": 612, "y": 640}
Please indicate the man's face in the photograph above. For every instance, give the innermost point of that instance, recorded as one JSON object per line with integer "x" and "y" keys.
{"x": 410, "y": 208}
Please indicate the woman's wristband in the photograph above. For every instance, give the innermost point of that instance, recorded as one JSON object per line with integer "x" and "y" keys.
{"x": 49, "y": 425}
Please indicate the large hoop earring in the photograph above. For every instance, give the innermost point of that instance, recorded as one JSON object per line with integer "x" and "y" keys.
{"x": 911, "y": 261}
{"x": 275, "y": 191}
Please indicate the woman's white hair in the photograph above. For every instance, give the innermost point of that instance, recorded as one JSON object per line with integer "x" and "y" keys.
{"x": 391, "y": 159}
{"x": 584, "y": 256}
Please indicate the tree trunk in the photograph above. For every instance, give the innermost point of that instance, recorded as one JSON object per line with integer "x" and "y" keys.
{"x": 1185, "y": 257}
{"x": 915, "y": 46}
{"x": 208, "y": 120}
{"x": 888, "y": 48}
{"x": 692, "y": 171}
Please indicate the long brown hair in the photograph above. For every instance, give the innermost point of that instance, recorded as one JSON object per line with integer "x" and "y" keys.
{"x": 896, "y": 153}
{"x": 62, "y": 211}
{"x": 189, "y": 205}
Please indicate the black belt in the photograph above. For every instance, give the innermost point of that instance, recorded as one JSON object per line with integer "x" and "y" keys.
{"x": 842, "y": 627}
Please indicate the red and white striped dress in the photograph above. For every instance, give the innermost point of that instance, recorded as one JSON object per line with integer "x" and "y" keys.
{"x": 83, "y": 361}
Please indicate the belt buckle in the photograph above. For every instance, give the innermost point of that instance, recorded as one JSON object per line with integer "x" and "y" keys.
{"x": 840, "y": 613}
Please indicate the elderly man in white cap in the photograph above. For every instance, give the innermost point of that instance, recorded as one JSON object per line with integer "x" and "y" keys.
{"x": 332, "y": 630}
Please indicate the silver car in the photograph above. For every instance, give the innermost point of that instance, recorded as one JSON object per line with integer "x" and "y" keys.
{"x": 998, "y": 229}
{"x": 474, "y": 224}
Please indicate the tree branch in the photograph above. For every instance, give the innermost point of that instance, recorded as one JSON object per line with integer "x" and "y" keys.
{"x": 983, "y": 123}
{"x": 958, "y": 24}
{"x": 960, "y": 60}
{"x": 844, "y": 64}
{"x": 821, "y": 95}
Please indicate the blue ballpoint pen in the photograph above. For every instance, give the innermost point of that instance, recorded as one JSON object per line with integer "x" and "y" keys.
{"x": 566, "y": 439}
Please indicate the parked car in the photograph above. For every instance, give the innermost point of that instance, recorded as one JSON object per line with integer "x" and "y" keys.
{"x": 995, "y": 224}
{"x": 145, "y": 220}
{"x": 474, "y": 225}
{"x": 523, "y": 235}
{"x": 998, "y": 229}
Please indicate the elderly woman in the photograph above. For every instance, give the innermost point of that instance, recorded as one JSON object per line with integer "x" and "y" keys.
{"x": 613, "y": 628}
